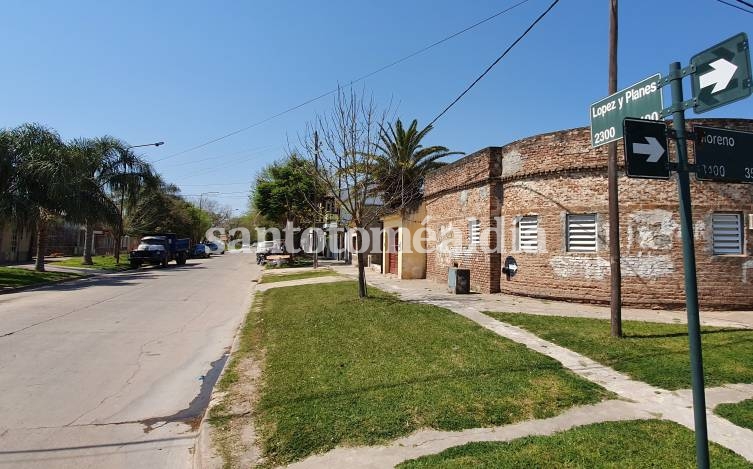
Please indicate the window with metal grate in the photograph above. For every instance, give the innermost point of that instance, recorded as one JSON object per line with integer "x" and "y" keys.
{"x": 581, "y": 232}
{"x": 528, "y": 233}
{"x": 727, "y": 233}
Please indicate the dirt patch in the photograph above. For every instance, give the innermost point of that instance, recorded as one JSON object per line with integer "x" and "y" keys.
{"x": 234, "y": 435}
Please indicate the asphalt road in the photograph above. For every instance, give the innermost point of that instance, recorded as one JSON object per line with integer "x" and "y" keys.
{"x": 108, "y": 372}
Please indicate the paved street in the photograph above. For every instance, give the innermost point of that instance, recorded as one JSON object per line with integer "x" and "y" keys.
{"x": 108, "y": 371}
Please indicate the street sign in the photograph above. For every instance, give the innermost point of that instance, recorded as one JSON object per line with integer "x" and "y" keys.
{"x": 646, "y": 153}
{"x": 642, "y": 100}
{"x": 722, "y": 74}
{"x": 723, "y": 155}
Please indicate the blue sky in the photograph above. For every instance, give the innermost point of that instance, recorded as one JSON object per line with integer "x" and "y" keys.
{"x": 186, "y": 72}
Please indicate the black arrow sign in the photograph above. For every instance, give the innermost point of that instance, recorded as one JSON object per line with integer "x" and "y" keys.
{"x": 646, "y": 149}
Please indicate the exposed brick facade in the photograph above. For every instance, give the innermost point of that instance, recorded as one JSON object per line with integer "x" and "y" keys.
{"x": 556, "y": 174}
{"x": 468, "y": 188}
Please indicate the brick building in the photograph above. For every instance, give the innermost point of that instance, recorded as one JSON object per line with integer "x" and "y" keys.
{"x": 543, "y": 200}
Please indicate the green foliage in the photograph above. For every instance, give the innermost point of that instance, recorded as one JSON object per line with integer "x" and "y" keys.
{"x": 640, "y": 443}
{"x": 159, "y": 209}
{"x": 286, "y": 190}
{"x": 404, "y": 162}
{"x": 650, "y": 352}
{"x": 38, "y": 174}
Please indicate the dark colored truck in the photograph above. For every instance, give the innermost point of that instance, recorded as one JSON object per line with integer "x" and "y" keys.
{"x": 159, "y": 249}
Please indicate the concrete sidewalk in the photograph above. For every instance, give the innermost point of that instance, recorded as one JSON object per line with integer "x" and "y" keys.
{"x": 432, "y": 291}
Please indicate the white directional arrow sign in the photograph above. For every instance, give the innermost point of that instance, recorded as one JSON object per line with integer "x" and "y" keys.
{"x": 653, "y": 149}
{"x": 720, "y": 76}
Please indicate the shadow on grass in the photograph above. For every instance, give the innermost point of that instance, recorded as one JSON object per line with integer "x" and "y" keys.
{"x": 683, "y": 334}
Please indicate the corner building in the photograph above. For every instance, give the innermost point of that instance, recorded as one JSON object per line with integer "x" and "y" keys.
{"x": 543, "y": 200}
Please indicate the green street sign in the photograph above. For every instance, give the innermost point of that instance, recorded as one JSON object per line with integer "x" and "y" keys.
{"x": 722, "y": 74}
{"x": 643, "y": 100}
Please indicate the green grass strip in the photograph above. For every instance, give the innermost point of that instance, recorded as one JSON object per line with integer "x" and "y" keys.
{"x": 100, "y": 262}
{"x": 740, "y": 413}
{"x": 633, "y": 444}
{"x": 273, "y": 278}
{"x": 344, "y": 371}
{"x": 13, "y": 277}
{"x": 650, "y": 352}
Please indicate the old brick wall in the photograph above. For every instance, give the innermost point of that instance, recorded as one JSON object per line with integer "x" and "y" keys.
{"x": 466, "y": 189}
{"x": 555, "y": 174}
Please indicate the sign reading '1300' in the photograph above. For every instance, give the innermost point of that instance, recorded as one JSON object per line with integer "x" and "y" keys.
{"x": 642, "y": 100}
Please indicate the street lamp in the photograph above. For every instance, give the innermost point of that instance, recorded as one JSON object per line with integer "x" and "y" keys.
{"x": 122, "y": 199}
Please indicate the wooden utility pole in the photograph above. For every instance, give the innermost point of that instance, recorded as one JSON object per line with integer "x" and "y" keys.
{"x": 614, "y": 210}
{"x": 315, "y": 203}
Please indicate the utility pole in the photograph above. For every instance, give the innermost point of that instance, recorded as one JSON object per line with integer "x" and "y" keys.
{"x": 615, "y": 272}
{"x": 314, "y": 235}
{"x": 122, "y": 201}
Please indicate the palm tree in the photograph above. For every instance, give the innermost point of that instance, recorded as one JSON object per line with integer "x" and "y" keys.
{"x": 37, "y": 187}
{"x": 404, "y": 162}
{"x": 107, "y": 166}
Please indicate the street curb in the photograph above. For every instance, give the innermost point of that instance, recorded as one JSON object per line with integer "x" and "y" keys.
{"x": 44, "y": 284}
{"x": 204, "y": 455}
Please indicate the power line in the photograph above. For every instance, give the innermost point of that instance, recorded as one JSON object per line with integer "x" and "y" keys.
{"x": 488, "y": 69}
{"x": 217, "y": 184}
{"x": 745, "y": 3}
{"x": 351, "y": 83}
{"x": 251, "y": 151}
{"x": 736, "y": 6}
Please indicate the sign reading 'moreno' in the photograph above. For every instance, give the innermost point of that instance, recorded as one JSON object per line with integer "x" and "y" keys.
{"x": 642, "y": 100}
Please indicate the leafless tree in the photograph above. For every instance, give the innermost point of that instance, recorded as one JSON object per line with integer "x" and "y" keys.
{"x": 343, "y": 145}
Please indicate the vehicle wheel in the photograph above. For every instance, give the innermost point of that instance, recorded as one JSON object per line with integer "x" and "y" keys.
{"x": 223, "y": 252}
{"x": 181, "y": 258}
{"x": 164, "y": 262}
{"x": 135, "y": 264}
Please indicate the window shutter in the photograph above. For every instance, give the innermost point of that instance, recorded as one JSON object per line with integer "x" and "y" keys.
{"x": 474, "y": 231}
{"x": 528, "y": 234}
{"x": 727, "y": 233}
{"x": 581, "y": 233}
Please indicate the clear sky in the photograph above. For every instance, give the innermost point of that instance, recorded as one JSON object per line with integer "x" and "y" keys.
{"x": 186, "y": 72}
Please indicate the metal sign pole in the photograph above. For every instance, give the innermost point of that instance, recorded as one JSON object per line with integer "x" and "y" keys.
{"x": 688, "y": 251}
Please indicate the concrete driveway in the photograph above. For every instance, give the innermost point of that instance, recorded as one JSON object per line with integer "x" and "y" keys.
{"x": 115, "y": 371}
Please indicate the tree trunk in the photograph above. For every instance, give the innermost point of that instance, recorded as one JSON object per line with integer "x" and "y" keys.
{"x": 362, "y": 292}
{"x": 88, "y": 243}
{"x": 41, "y": 240}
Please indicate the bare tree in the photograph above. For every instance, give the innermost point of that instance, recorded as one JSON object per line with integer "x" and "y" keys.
{"x": 343, "y": 146}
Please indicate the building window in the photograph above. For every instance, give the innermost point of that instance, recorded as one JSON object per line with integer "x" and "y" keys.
{"x": 581, "y": 233}
{"x": 727, "y": 233}
{"x": 528, "y": 233}
{"x": 474, "y": 231}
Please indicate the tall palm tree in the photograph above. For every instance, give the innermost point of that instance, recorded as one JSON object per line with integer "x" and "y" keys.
{"x": 404, "y": 162}
{"x": 37, "y": 186}
{"x": 107, "y": 166}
